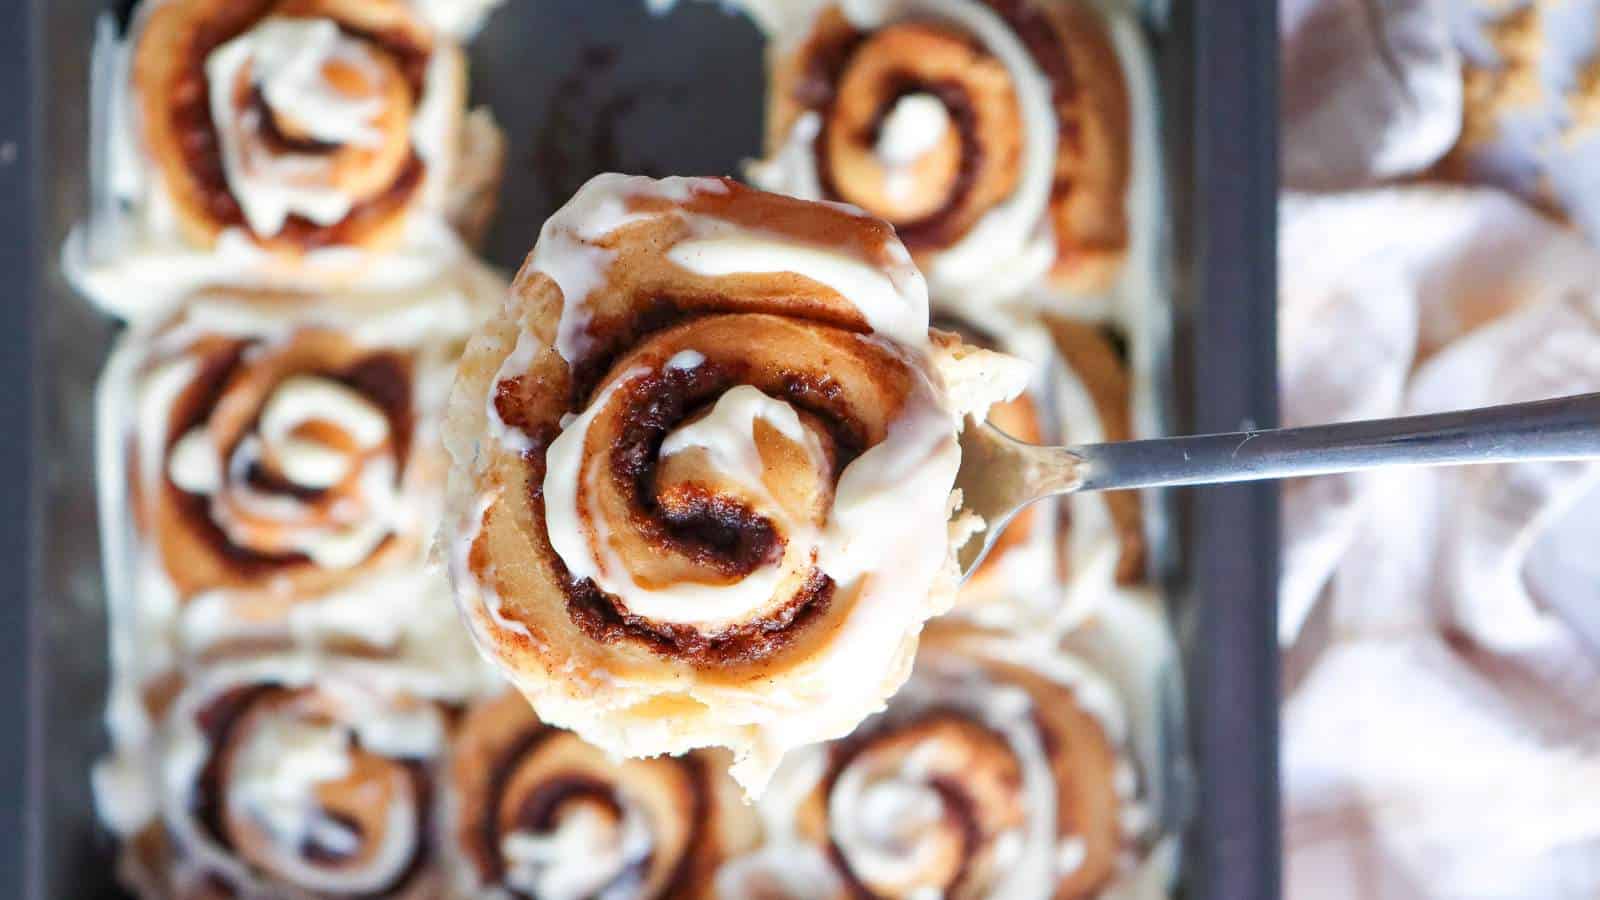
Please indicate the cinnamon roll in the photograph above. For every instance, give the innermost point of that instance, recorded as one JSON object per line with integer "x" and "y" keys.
{"x": 998, "y": 771}
{"x": 994, "y": 135}
{"x": 703, "y": 469}
{"x": 275, "y": 779}
{"x": 306, "y": 144}
{"x": 537, "y": 812}
{"x": 271, "y": 479}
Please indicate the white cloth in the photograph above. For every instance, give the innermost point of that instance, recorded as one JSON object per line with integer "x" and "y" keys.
{"x": 1441, "y": 730}
{"x": 1365, "y": 96}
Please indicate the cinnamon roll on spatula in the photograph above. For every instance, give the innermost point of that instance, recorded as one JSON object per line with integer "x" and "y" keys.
{"x": 308, "y": 144}
{"x": 993, "y": 134}
{"x": 703, "y": 464}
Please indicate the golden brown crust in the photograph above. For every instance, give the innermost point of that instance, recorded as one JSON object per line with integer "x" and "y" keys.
{"x": 1094, "y": 160}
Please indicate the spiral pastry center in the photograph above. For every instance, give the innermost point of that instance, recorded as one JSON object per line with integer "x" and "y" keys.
{"x": 928, "y": 807}
{"x": 316, "y": 799}
{"x": 315, "y": 473}
{"x": 310, "y": 120}
{"x": 585, "y": 843}
{"x": 741, "y": 491}
{"x": 925, "y": 130}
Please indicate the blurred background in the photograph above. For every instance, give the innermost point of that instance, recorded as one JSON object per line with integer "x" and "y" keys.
{"x": 1438, "y": 218}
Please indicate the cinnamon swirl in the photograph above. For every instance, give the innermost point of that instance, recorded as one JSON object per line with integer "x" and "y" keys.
{"x": 308, "y": 144}
{"x": 537, "y": 812}
{"x": 999, "y": 771}
{"x": 272, "y": 479}
{"x": 283, "y": 780}
{"x": 703, "y": 469}
{"x": 994, "y": 135}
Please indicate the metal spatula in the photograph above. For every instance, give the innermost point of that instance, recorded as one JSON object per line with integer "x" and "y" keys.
{"x": 1000, "y": 475}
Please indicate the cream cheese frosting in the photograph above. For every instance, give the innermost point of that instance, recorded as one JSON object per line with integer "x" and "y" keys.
{"x": 1011, "y": 246}
{"x": 130, "y": 255}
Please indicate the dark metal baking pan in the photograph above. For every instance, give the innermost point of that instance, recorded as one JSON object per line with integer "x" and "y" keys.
{"x": 583, "y": 86}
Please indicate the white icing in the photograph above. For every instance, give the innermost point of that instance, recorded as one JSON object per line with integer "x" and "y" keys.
{"x": 362, "y": 524}
{"x": 1070, "y": 854}
{"x": 792, "y": 169}
{"x": 517, "y": 362}
{"x": 437, "y": 124}
{"x": 877, "y": 809}
{"x": 286, "y": 60}
{"x": 359, "y": 523}
{"x": 1011, "y": 246}
{"x": 879, "y": 823}
{"x": 461, "y": 19}
{"x": 584, "y": 856}
{"x": 132, "y": 257}
{"x": 894, "y": 302}
{"x": 779, "y": 871}
{"x": 566, "y": 249}
{"x": 913, "y": 127}
{"x": 276, "y": 773}
{"x": 686, "y": 360}
{"x": 195, "y": 466}
{"x": 402, "y": 732}
{"x": 308, "y": 398}
{"x": 285, "y": 756}
{"x": 727, "y": 436}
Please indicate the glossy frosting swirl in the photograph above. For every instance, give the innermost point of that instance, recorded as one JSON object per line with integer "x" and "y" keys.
{"x": 538, "y": 813}
{"x": 289, "y": 788}
{"x": 292, "y": 119}
{"x": 715, "y": 455}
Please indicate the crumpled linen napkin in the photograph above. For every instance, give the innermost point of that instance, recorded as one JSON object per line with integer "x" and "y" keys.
{"x": 1441, "y": 727}
{"x": 1448, "y": 728}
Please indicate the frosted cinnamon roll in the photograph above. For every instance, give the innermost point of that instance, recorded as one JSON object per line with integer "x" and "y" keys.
{"x": 290, "y": 143}
{"x": 537, "y": 812}
{"x": 993, "y": 134}
{"x": 997, "y": 771}
{"x": 271, "y": 479}
{"x": 703, "y": 469}
{"x": 272, "y": 781}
